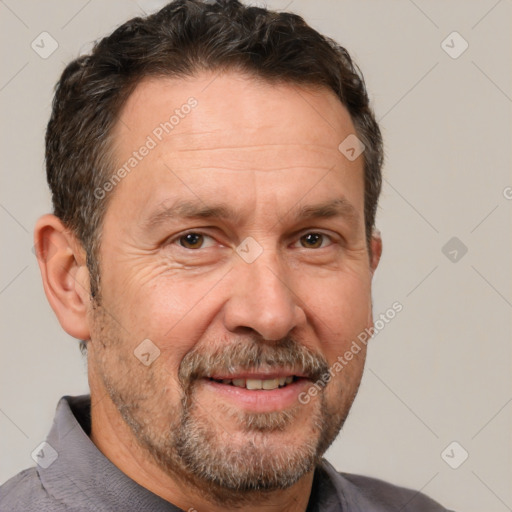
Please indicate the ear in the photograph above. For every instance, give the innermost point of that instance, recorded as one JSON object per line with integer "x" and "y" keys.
{"x": 376, "y": 244}
{"x": 65, "y": 276}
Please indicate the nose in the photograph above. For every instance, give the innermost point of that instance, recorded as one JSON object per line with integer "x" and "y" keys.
{"x": 263, "y": 300}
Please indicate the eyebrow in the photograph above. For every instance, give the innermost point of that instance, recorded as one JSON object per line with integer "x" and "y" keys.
{"x": 182, "y": 209}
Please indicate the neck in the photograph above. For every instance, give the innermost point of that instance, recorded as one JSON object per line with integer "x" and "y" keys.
{"x": 114, "y": 438}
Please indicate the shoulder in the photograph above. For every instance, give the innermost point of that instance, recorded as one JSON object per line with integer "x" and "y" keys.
{"x": 372, "y": 494}
{"x": 390, "y": 496}
{"x": 25, "y": 492}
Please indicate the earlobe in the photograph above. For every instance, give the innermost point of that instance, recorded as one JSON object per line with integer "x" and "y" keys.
{"x": 376, "y": 250}
{"x": 65, "y": 277}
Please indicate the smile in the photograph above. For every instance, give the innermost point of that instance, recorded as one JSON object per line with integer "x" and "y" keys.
{"x": 256, "y": 384}
{"x": 257, "y": 392}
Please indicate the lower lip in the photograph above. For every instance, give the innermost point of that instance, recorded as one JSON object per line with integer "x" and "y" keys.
{"x": 259, "y": 400}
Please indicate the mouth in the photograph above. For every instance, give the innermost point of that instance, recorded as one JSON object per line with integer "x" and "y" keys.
{"x": 253, "y": 383}
{"x": 256, "y": 392}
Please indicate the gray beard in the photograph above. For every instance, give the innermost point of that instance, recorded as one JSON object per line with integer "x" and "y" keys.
{"x": 194, "y": 452}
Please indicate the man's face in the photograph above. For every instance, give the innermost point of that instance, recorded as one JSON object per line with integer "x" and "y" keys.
{"x": 269, "y": 284}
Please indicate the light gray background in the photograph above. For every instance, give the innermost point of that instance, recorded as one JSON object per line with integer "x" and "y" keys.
{"x": 440, "y": 371}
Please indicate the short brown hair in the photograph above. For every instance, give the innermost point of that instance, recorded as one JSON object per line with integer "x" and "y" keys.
{"x": 183, "y": 38}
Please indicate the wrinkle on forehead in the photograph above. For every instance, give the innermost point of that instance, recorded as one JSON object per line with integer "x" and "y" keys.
{"x": 256, "y": 157}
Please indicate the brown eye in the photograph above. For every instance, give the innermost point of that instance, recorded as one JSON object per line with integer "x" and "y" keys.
{"x": 312, "y": 240}
{"x": 192, "y": 240}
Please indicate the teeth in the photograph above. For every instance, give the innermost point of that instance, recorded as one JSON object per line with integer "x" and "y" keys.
{"x": 254, "y": 384}
{"x": 270, "y": 384}
{"x": 259, "y": 383}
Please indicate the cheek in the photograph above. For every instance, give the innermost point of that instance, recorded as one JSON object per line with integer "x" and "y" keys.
{"x": 342, "y": 308}
{"x": 172, "y": 312}
{"x": 346, "y": 314}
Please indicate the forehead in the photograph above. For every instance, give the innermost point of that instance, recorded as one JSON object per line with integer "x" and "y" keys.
{"x": 231, "y": 111}
{"x": 239, "y": 104}
{"x": 217, "y": 133}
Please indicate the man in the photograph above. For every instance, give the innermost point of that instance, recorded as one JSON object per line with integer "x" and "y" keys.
{"x": 215, "y": 172}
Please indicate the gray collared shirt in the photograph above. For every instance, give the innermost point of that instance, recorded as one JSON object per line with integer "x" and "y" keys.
{"x": 73, "y": 475}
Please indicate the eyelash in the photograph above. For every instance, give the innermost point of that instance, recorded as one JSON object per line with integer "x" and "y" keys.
{"x": 179, "y": 237}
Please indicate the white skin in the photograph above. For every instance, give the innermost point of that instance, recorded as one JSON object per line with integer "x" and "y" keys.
{"x": 265, "y": 150}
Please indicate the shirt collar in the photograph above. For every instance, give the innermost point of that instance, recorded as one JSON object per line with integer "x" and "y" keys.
{"x": 82, "y": 471}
